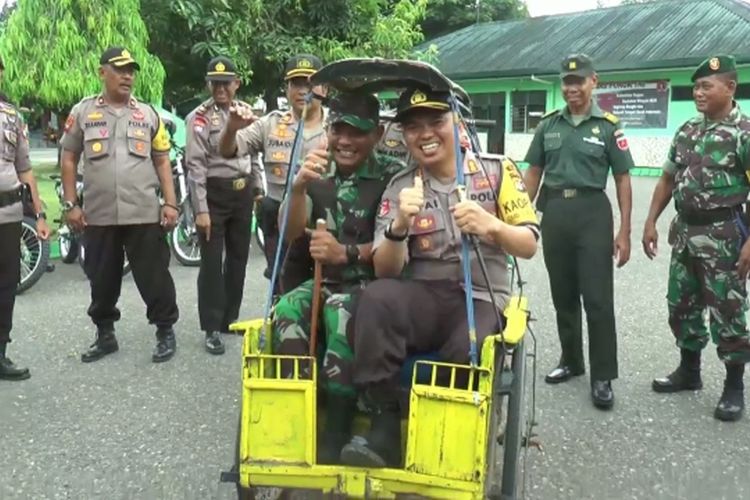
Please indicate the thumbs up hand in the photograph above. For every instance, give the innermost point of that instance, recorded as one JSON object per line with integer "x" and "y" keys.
{"x": 410, "y": 202}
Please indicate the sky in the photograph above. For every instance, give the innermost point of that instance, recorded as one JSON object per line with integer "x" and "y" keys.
{"x": 548, "y": 7}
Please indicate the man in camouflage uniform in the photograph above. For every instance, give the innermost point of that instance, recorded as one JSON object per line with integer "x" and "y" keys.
{"x": 343, "y": 188}
{"x": 273, "y": 135}
{"x": 707, "y": 174}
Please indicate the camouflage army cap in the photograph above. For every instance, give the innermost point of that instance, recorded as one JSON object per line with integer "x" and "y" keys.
{"x": 715, "y": 65}
{"x": 577, "y": 65}
{"x": 419, "y": 97}
{"x": 302, "y": 65}
{"x": 358, "y": 109}
{"x": 221, "y": 69}
{"x": 119, "y": 57}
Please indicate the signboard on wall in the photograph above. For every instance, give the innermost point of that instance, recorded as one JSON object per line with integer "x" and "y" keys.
{"x": 638, "y": 104}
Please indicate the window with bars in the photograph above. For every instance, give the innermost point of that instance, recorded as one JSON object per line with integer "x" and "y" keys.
{"x": 527, "y": 109}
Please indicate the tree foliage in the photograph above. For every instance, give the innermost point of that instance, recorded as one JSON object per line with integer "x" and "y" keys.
{"x": 445, "y": 16}
{"x": 51, "y": 49}
{"x": 260, "y": 35}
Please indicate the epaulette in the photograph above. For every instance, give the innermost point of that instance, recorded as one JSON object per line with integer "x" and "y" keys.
{"x": 611, "y": 118}
{"x": 7, "y": 108}
{"x": 204, "y": 107}
{"x": 550, "y": 113}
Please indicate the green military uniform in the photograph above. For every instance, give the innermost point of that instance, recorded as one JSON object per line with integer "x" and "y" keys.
{"x": 709, "y": 162}
{"x": 576, "y": 154}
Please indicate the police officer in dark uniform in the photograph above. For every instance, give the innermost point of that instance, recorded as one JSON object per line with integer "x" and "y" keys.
{"x": 574, "y": 148}
{"x": 15, "y": 172}
{"x": 222, "y": 192}
{"x": 125, "y": 149}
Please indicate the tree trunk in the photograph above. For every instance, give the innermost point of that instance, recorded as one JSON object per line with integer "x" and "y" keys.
{"x": 270, "y": 96}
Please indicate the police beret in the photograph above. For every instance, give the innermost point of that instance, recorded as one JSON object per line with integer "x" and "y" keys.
{"x": 421, "y": 97}
{"x": 358, "y": 109}
{"x": 715, "y": 65}
{"x": 118, "y": 56}
{"x": 302, "y": 65}
{"x": 578, "y": 65}
{"x": 221, "y": 69}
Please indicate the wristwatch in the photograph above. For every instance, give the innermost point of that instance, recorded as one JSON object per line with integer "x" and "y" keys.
{"x": 69, "y": 205}
{"x": 40, "y": 215}
{"x": 394, "y": 237}
{"x": 352, "y": 254}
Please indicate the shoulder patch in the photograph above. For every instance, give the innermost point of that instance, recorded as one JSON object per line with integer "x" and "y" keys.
{"x": 550, "y": 113}
{"x": 611, "y": 118}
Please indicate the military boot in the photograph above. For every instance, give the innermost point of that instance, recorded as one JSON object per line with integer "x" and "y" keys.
{"x": 166, "y": 344}
{"x": 687, "y": 376}
{"x": 8, "y": 370}
{"x": 338, "y": 429}
{"x": 105, "y": 343}
{"x": 732, "y": 402}
{"x": 382, "y": 445}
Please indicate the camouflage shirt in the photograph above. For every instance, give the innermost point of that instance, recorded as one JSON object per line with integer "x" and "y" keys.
{"x": 710, "y": 163}
{"x": 349, "y": 206}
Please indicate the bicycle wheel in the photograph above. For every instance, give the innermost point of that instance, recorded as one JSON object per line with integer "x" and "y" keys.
{"x": 34, "y": 255}
{"x": 185, "y": 242}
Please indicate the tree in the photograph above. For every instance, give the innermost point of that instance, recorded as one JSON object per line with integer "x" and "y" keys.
{"x": 260, "y": 35}
{"x": 445, "y": 16}
{"x": 51, "y": 50}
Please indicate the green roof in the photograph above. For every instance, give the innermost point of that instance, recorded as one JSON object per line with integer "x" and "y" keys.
{"x": 661, "y": 34}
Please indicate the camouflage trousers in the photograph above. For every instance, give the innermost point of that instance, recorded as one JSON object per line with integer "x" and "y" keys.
{"x": 700, "y": 284}
{"x": 291, "y": 332}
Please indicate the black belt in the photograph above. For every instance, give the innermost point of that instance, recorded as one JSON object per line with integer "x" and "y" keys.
{"x": 236, "y": 183}
{"x": 706, "y": 217}
{"x": 568, "y": 193}
{"x": 11, "y": 197}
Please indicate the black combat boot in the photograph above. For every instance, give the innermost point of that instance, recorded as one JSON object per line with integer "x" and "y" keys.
{"x": 9, "y": 371}
{"x": 213, "y": 343}
{"x": 166, "y": 344}
{"x": 687, "y": 376}
{"x": 732, "y": 402}
{"x": 340, "y": 412}
{"x": 382, "y": 445}
{"x": 105, "y": 343}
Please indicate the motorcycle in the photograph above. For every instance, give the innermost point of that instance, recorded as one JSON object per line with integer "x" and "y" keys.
{"x": 183, "y": 238}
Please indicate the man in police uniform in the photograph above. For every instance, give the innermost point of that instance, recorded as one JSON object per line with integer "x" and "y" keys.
{"x": 707, "y": 171}
{"x": 343, "y": 186}
{"x": 574, "y": 148}
{"x": 418, "y": 238}
{"x": 273, "y": 135}
{"x": 392, "y": 143}
{"x": 126, "y": 161}
{"x": 222, "y": 192}
{"x": 15, "y": 172}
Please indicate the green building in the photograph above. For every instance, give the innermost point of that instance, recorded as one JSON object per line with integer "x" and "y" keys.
{"x": 644, "y": 54}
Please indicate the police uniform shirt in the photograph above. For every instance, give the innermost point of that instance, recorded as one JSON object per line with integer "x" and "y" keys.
{"x": 15, "y": 158}
{"x": 273, "y": 135}
{"x": 434, "y": 238}
{"x": 579, "y": 156}
{"x": 392, "y": 142}
{"x": 202, "y": 157}
{"x": 120, "y": 182}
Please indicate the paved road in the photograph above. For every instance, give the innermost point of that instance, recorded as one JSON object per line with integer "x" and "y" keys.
{"x": 124, "y": 428}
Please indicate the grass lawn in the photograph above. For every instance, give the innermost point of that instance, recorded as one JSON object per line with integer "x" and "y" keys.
{"x": 46, "y": 185}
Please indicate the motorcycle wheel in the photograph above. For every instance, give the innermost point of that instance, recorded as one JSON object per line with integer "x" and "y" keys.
{"x": 82, "y": 259}
{"x": 185, "y": 242}
{"x": 68, "y": 245}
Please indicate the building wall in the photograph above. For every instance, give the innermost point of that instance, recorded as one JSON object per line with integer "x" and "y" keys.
{"x": 649, "y": 146}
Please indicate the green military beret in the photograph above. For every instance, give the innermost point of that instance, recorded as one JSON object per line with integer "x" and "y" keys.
{"x": 356, "y": 108}
{"x": 715, "y": 65}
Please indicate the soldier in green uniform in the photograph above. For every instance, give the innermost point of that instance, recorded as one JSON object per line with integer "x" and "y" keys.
{"x": 574, "y": 148}
{"x": 345, "y": 191}
{"x": 706, "y": 172}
